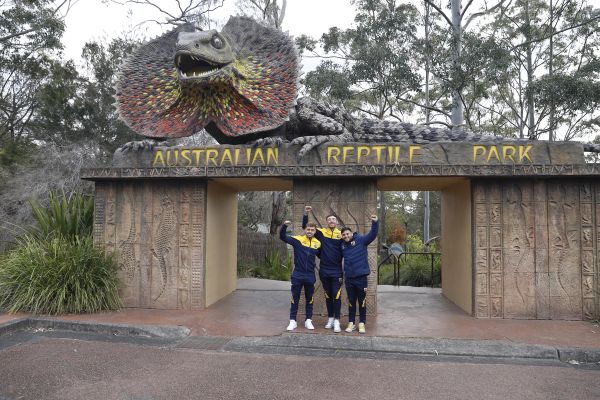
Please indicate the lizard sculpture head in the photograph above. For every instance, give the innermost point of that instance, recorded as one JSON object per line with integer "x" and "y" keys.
{"x": 237, "y": 83}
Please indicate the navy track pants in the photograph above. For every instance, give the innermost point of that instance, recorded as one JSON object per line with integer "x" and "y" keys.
{"x": 309, "y": 290}
{"x": 332, "y": 287}
{"x": 356, "y": 288}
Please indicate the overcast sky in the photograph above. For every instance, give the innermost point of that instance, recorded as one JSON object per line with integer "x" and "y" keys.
{"x": 93, "y": 20}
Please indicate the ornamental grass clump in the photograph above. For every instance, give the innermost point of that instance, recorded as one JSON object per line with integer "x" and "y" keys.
{"x": 58, "y": 275}
{"x": 69, "y": 216}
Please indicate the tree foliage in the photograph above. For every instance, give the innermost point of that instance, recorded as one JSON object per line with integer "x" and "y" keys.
{"x": 375, "y": 66}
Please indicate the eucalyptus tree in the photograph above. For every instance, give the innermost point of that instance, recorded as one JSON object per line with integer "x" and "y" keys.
{"x": 368, "y": 68}
{"x": 548, "y": 40}
{"x": 271, "y": 12}
{"x": 30, "y": 34}
{"x": 177, "y": 12}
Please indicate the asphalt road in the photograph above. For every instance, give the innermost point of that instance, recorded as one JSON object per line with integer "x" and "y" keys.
{"x": 59, "y": 368}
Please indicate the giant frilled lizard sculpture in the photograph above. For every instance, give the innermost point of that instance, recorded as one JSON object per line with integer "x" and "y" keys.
{"x": 240, "y": 85}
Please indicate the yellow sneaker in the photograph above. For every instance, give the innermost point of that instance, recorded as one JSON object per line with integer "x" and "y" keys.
{"x": 361, "y": 328}
{"x": 350, "y": 327}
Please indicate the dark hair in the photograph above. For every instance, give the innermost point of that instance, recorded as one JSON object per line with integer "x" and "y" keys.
{"x": 311, "y": 225}
{"x": 344, "y": 229}
{"x": 330, "y": 215}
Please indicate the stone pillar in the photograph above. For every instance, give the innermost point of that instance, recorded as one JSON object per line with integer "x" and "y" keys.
{"x": 353, "y": 201}
{"x": 457, "y": 269}
{"x": 536, "y": 248}
{"x": 157, "y": 229}
{"x": 221, "y": 242}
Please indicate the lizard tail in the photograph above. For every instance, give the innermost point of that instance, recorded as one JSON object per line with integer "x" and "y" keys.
{"x": 163, "y": 269}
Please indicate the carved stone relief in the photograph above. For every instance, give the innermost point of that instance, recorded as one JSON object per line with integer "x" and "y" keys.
{"x": 150, "y": 226}
{"x": 546, "y": 267}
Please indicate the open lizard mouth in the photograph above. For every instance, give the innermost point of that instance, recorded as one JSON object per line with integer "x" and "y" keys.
{"x": 191, "y": 66}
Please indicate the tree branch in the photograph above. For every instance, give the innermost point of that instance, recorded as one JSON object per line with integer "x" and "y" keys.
{"x": 557, "y": 32}
{"x": 439, "y": 10}
{"x": 424, "y": 106}
{"x": 481, "y": 13}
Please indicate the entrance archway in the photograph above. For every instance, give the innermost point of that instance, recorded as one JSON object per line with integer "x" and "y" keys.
{"x": 519, "y": 240}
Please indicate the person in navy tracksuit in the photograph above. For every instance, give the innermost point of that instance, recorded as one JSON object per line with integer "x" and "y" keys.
{"x": 306, "y": 249}
{"x": 330, "y": 267}
{"x": 356, "y": 270}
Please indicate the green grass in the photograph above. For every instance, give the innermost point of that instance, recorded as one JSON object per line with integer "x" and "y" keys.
{"x": 58, "y": 275}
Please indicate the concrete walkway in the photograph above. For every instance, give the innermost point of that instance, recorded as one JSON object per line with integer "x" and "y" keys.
{"x": 260, "y": 308}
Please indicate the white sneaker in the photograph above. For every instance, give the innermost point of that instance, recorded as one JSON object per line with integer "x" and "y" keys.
{"x": 308, "y": 324}
{"x": 293, "y": 325}
{"x": 350, "y": 327}
{"x": 336, "y": 326}
{"x": 361, "y": 328}
{"x": 329, "y": 324}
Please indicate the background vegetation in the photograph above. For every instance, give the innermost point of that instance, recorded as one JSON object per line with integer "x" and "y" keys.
{"x": 519, "y": 68}
{"x": 55, "y": 267}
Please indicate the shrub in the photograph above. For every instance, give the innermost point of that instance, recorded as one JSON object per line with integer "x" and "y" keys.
{"x": 57, "y": 275}
{"x": 68, "y": 216}
{"x": 415, "y": 270}
{"x": 273, "y": 267}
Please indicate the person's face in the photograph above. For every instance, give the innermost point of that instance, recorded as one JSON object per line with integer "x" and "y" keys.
{"x": 310, "y": 231}
{"x": 347, "y": 236}
{"x": 332, "y": 221}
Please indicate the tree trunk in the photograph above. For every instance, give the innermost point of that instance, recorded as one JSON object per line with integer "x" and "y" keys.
{"x": 551, "y": 72}
{"x": 457, "y": 106}
{"x": 277, "y": 212}
{"x": 530, "y": 77}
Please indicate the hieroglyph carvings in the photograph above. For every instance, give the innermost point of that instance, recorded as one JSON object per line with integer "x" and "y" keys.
{"x": 536, "y": 248}
{"x": 157, "y": 231}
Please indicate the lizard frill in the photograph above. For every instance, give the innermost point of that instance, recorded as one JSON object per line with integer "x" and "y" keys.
{"x": 251, "y": 93}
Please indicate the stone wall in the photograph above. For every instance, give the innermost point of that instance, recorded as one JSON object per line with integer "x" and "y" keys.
{"x": 536, "y": 248}
{"x": 353, "y": 201}
{"x": 157, "y": 229}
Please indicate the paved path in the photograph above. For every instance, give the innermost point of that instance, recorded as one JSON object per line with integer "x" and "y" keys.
{"x": 53, "y": 368}
{"x": 260, "y": 308}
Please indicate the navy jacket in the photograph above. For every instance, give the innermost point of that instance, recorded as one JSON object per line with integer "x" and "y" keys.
{"x": 356, "y": 262}
{"x": 331, "y": 252}
{"x": 305, "y": 251}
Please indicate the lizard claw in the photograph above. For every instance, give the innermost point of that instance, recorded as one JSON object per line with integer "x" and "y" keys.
{"x": 268, "y": 141}
{"x": 139, "y": 145}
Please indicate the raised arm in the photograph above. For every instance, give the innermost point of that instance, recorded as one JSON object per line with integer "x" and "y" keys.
{"x": 307, "y": 209}
{"x": 283, "y": 236}
{"x": 369, "y": 237}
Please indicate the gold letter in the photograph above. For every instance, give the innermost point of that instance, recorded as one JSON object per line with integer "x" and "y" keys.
{"x": 475, "y": 151}
{"x": 332, "y": 154}
{"x": 523, "y": 153}
{"x": 211, "y": 155}
{"x": 378, "y": 152}
{"x": 345, "y": 151}
{"x": 158, "y": 155}
{"x": 273, "y": 152}
{"x": 185, "y": 155}
{"x": 361, "y": 149}
{"x": 176, "y": 157}
{"x": 508, "y": 154}
{"x": 196, "y": 153}
{"x": 493, "y": 150}
{"x": 226, "y": 157}
{"x": 413, "y": 150}
{"x": 237, "y": 156}
{"x": 258, "y": 152}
